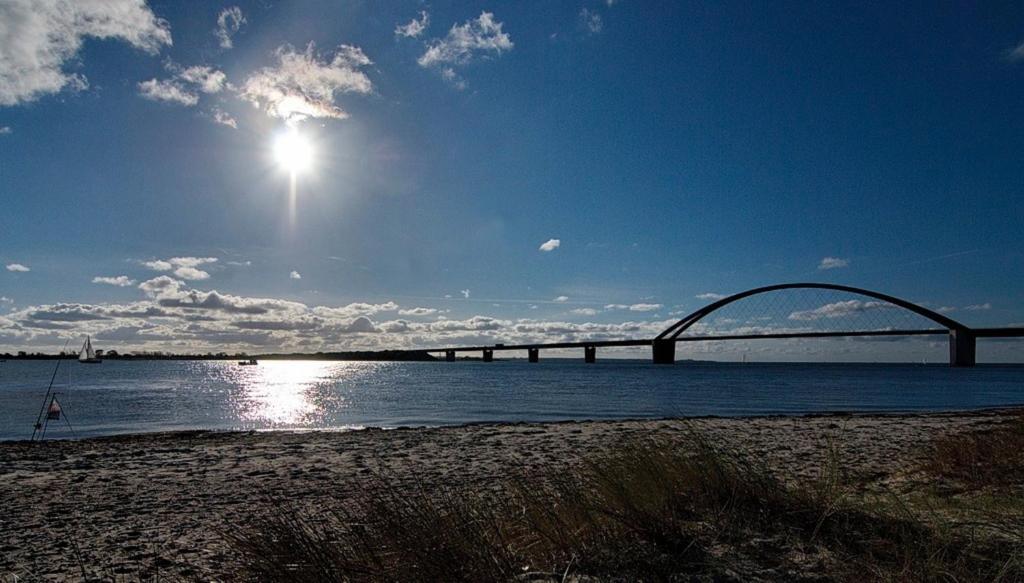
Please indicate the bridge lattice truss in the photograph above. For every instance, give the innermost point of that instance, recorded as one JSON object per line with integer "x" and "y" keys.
{"x": 790, "y": 310}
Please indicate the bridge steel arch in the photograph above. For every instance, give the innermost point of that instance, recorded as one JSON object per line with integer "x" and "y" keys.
{"x": 962, "y": 340}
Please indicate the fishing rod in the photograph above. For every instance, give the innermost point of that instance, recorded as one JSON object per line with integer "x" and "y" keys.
{"x": 39, "y": 425}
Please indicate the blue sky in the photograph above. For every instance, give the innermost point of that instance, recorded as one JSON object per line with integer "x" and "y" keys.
{"x": 672, "y": 149}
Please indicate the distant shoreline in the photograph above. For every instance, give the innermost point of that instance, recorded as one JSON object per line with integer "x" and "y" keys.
{"x": 392, "y": 355}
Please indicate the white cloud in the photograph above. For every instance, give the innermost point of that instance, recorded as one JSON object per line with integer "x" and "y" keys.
{"x": 191, "y": 261}
{"x": 463, "y": 44}
{"x": 591, "y": 21}
{"x": 187, "y": 272}
{"x": 6, "y": 300}
{"x": 417, "y": 312}
{"x": 185, "y": 85}
{"x": 4, "y": 130}
{"x": 159, "y": 286}
{"x": 709, "y": 296}
{"x": 833, "y": 263}
{"x": 977, "y": 307}
{"x": 120, "y": 280}
{"x": 174, "y": 317}
{"x": 634, "y": 307}
{"x": 356, "y": 309}
{"x": 167, "y": 90}
{"x": 38, "y": 37}
{"x": 561, "y": 299}
{"x": 304, "y": 85}
{"x": 295, "y": 275}
{"x": 229, "y": 21}
{"x": 550, "y": 244}
{"x": 158, "y": 265}
{"x": 584, "y": 311}
{"x": 224, "y": 119}
{"x": 17, "y": 267}
{"x": 465, "y": 293}
{"x": 206, "y": 79}
{"x": 414, "y": 27}
{"x": 837, "y": 310}
{"x": 184, "y": 267}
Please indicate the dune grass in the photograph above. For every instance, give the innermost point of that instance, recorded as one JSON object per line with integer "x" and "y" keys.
{"x": 991, "y": 458}
{"x": 650, "y": 510}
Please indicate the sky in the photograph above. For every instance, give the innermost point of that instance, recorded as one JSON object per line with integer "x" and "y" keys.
{"x": 479, "y": 172}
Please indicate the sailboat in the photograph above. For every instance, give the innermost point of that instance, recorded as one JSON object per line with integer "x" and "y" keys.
{"x": 87, "y": 355}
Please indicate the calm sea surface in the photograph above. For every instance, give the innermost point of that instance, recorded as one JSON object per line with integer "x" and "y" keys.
{"x": 127, "y": 397}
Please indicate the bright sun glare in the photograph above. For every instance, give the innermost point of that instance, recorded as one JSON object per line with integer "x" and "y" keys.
{"x": 293, "y": 151}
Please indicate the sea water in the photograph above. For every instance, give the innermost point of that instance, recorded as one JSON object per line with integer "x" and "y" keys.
{"x": 140, "y": 396}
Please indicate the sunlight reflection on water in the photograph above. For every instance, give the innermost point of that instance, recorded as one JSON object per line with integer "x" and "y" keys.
{"x": 290, "y": 392}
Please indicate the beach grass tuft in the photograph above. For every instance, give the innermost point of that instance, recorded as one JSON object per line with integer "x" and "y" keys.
{"x": 992, "y": 457}
{"x": 650, "y": 510}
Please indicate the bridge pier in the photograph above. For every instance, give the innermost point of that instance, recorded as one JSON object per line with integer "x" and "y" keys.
{"x": 664, "y": 351}
{"x": 533, "y": 354}
{"x": 590, "y": 354}
{"x": 449, "y": 356}
{"x": 488, "y": 355}
{"x": 962, "y": 347}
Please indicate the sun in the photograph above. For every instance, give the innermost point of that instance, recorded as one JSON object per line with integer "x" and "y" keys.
{"x": 293, "y": 151}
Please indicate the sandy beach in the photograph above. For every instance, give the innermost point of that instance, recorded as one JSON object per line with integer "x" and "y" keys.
{"x": 125, "y": 505}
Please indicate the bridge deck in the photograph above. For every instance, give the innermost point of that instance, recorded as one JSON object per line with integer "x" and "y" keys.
{"x": 978, "y": 332}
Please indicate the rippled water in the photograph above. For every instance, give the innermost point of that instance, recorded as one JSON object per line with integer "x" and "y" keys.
{"x": 121, "y": 396}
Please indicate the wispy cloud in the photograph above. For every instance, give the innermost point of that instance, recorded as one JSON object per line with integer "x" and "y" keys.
{"x": 4, "y": 130}
{"x": 561, "y": 299}
{"x": 305, "y": 84}
{"x": 167, "y": 90}
{"x": 550, "y": 244}
{"x": 591, "y": 21}
{"x": 837, "y": 310}
{"x": 17, "y": 267}
{"x": 833, "y": 263}
{"x": 977, "y": 307}
{"x": 641, "y": 307}
{"x": 294, "y": 275}
{"x": 41, "y": 36}
{"x": 709, "y": 296}
{"x": 584, "y": 311}
{"x": 417, "y": 312}
{"x": 465, "y": 43}
{"x": 229, "y": 22}
{"x": 185, "y": 85}
{"x": 465, "y": 293}
{"x": 224, "y": 118}
{"x": 415, "y": 27}
{"x": 120, "y": 280}
{"x": 1016, "y": 54}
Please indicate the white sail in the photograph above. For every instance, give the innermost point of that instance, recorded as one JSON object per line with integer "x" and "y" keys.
{"x": 87, "y": 352}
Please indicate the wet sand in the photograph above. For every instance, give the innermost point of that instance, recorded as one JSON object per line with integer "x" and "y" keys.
{"x": 126, "y": 506}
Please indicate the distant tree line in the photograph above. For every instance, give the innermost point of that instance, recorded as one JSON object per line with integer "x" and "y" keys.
{"x": 402, "y": 355}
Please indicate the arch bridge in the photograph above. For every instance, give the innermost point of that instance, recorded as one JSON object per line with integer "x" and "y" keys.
{"x": 694, "y": 327}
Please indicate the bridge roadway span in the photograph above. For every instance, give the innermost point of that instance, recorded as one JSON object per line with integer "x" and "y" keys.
{"x": 962, "y": 339}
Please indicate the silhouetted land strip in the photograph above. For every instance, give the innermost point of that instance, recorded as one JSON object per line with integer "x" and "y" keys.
{"x": 393, "y": 355}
